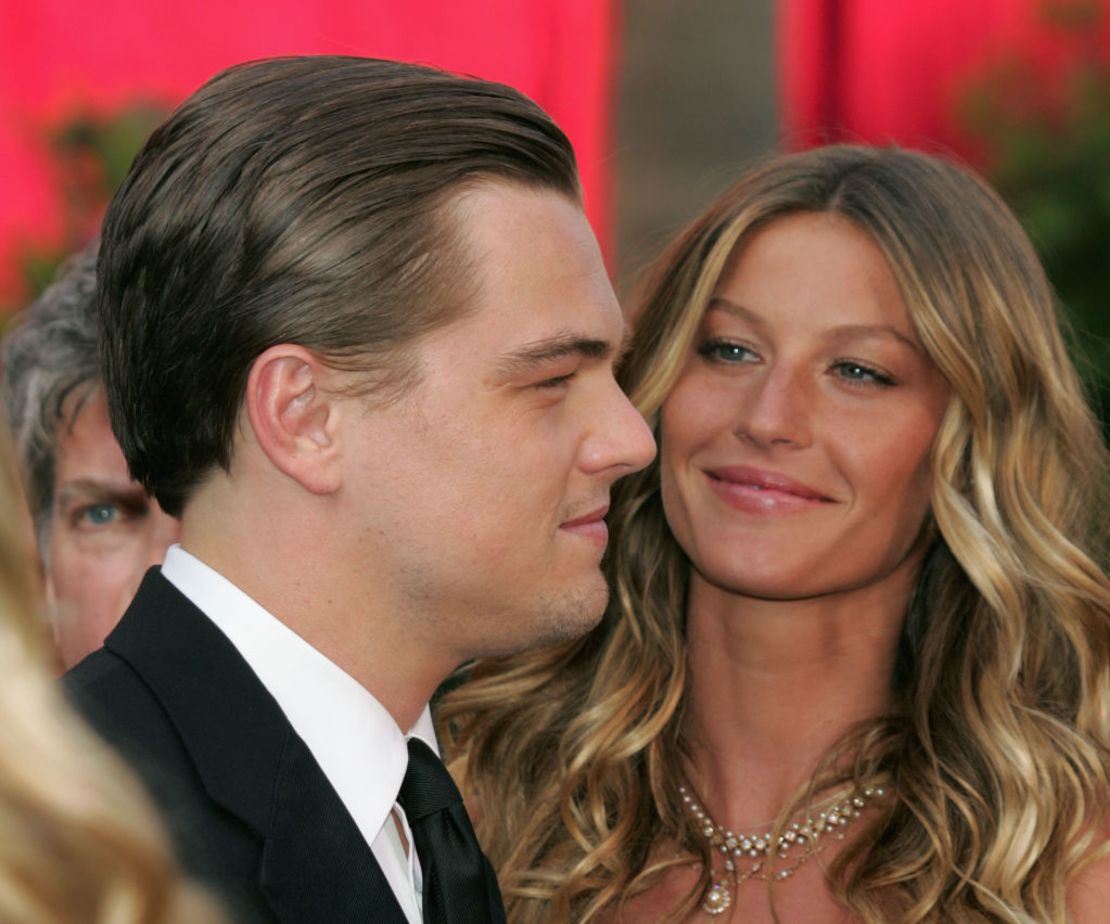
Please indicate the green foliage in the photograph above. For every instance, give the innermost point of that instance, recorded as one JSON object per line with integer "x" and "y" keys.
{"x": 90, "y": 154}
{"x": 1047, "y": 151}
{"x": 111, "y": 143}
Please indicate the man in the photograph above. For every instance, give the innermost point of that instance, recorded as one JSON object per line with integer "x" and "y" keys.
{"x": 96, "y": 529}
{"x": 357, "y": 333}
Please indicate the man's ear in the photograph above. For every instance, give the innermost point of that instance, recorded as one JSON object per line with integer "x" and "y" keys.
{"x": 295, "y": 417}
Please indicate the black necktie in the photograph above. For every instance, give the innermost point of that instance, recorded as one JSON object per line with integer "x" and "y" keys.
{"x": 459, "y": 885}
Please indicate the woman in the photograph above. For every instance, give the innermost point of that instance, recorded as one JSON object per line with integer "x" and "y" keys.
{"x": 856, "y": 664}
{"x": 78, "y": 842}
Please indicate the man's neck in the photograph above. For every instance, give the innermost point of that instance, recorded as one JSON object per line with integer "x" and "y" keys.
{"x": 299, "y": 577}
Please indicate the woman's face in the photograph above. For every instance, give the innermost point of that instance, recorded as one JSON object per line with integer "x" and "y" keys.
{"x": 795, "y": 445}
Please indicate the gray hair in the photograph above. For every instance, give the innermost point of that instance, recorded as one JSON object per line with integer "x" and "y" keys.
{"x": 48, "y": 356}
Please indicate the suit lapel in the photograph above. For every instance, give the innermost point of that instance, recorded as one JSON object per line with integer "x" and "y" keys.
{"x": 316, "y": 865}
{"x": 307, "y": 863}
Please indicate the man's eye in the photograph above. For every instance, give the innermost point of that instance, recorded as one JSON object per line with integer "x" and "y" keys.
{"x": 558, "y": 381}
{"x": 97, "y": 515}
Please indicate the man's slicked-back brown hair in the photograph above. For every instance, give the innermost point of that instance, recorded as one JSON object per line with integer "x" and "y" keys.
{"x": 294, "y": 200}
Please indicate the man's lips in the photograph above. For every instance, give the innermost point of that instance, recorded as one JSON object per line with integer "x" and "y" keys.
{"x": 758, "y": 491}
{"x": 590, "y": 526}
{"x": 593, "y": 517}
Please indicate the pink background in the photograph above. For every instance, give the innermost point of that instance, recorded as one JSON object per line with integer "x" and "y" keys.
{"x": 903, "y": 64}
{"x": 61, "y": 57}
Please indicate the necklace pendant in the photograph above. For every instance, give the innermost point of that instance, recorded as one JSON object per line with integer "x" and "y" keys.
{"x": 717, "y": 899}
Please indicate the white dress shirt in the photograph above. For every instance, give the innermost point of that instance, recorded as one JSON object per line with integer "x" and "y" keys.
{"x": 353, "y": 738}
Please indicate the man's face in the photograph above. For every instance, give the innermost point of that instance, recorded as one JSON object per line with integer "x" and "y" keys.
{"x": 479, "y": 496}
{"x": 104, "y": 530}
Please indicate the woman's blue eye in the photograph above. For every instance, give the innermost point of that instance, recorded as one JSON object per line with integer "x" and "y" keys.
{"x": 100, "y": 514}
{"x": 725, "y": 351}
{"x": 857, "y": 372}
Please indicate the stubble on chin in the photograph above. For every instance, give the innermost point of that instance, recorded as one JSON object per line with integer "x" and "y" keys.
{"x": 550, "y": 619}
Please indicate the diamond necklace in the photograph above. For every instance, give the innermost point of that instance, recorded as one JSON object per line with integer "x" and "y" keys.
{"x": 746, "y": 855}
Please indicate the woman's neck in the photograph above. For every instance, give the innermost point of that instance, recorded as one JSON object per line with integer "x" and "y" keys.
{"x": 775, "y": 684}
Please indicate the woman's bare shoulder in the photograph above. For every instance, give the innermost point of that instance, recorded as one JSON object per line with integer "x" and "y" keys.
{"x": 668, "y": 889}
{"x": 656, "y": 902}
{"x": 1089, "y": 894}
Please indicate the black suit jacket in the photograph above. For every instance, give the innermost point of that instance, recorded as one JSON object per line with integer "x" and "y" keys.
{"x": 250, "y": 811}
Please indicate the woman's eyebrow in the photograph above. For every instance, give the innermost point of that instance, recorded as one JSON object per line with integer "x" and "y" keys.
{"x": 838, "y": 332}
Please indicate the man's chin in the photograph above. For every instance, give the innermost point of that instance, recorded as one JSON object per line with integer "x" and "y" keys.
{"x": 558, "y": 618}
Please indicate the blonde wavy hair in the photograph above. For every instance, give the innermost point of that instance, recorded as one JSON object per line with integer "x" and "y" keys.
{"x": 78, "y": 841}
{"x": 998, "y": 747}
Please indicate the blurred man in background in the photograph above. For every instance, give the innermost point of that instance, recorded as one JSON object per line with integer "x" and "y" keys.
{"x": 97, "y": 531}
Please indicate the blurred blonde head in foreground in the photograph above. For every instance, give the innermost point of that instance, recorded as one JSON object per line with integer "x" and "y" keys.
{"x": 78, "y": 841}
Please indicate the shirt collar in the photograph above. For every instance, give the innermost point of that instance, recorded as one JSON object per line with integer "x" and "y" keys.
{"x": 353, "y": 738}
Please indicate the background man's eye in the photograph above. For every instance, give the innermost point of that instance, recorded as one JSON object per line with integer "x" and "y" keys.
{"x": 100, "y": 514}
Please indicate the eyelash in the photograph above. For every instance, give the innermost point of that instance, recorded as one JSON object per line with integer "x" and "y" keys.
{"x": 124, "y": 511}
{"x": 714, "y": 345}
{"x": 81, "y": 517}
{"x": 866, "y": 375}
{"x": 557, "y": 382}
{"x": 84, "y": 512}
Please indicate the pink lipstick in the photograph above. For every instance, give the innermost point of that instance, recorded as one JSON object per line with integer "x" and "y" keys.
{"x": 754, "y": 490}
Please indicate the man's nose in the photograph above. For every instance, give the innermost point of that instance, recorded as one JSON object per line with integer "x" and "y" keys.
{"x": 621, "y": 441}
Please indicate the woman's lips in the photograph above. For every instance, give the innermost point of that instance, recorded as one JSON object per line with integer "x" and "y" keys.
{"x": 754, "y": 490}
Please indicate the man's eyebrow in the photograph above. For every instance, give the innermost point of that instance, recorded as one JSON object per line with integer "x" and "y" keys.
{"x": 85, "y": 488}
{"x": 549, "y": 349}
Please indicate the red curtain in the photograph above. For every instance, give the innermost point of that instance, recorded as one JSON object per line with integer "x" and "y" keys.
{"x": 877, "y": 71}
{"x": 60, "y": 57}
